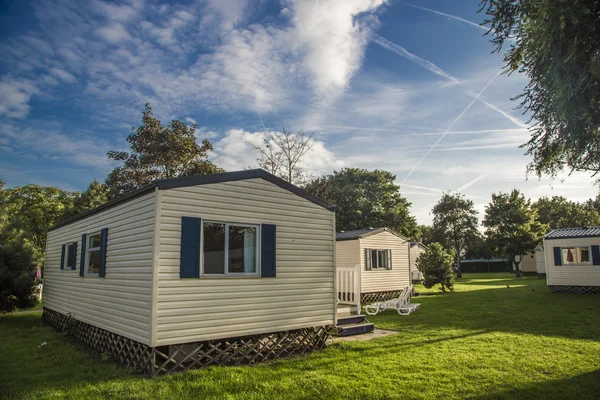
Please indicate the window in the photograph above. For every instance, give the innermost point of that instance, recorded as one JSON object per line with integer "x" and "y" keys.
{"x": 576, "y": 255}
{"x": 93, "y": 254}
{"x": 229, "y": 249}
{"x": 69, "y": 256}
{"x": 380, "y": 259}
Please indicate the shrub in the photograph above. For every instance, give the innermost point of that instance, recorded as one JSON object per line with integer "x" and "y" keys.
{"x": 18, "y": 263}
{"x": 436, "y": 266}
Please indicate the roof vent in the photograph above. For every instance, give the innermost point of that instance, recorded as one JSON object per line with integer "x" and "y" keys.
{"x": 371, "y": 228}
{"x": 342, "y": 231}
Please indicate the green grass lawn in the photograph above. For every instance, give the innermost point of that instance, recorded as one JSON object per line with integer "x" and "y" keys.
{"x": 484, "y": 341}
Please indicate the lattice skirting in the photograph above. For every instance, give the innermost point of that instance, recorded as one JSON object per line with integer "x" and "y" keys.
{"x": 575, "y": 289}
{"x": 181, "y": 357}
{"x": 367, "y": 298}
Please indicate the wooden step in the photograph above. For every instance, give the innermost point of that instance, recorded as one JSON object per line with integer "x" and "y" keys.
{"x": 355, "y": 329}
{"x": 350, "y": 319}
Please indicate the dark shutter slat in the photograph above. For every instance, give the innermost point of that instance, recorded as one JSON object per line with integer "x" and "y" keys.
{"x": 62, "y": 257}
{"x": 268, "y": 251}
{"x": 595, "y": 255}
{"x": 103, "y": 243}
{"x": 74, "y": 256}
{"x": 189, "y": 262}
{"x": 82, "y": 259}
{"x": 557, "y": 256}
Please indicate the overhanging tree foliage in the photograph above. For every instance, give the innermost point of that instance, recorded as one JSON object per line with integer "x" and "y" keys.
{"x": 365, "y": 199}
{"x": 554, "y": 43}
{"x": 557, "y": 212}
{"x": 436, "y": 266}
{"x": 455, "y": 221}
{"x": 159, "y": 152}
{"x": 512, "y": 227}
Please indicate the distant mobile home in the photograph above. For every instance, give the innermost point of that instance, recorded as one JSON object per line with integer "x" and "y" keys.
{"x": 540, "y": 261}
{"x": 230, "y": 268}
{"x": 381, "y": 258}
{"x": 573, "y": 260}
{"x": 416, "y": 249}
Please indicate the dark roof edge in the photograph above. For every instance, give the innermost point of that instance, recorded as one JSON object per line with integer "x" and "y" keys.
{"x": 571, "y": 237}
{"x": 164, "y": 184}
{"x": 344, "y": 239}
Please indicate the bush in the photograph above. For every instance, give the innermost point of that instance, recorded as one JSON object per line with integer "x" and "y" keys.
{"x": 436, "y": 266}
{"x": 18, "y": 264}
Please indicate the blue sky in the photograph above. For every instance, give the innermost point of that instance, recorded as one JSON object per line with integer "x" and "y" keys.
{"x": 407, "y": 87}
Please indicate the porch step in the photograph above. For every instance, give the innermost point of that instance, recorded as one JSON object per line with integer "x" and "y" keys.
{"x": 350, "y": 319}
{"x": 355, "y": 329}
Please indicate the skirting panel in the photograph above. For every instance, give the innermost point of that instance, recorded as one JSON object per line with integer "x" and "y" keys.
{"x": 367, "y": 298}
{"x": 181, "y": 357}
{"x": 575, "y": 289}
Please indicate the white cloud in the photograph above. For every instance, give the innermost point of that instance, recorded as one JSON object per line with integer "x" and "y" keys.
{"x": 113, "y": 33}
{"x": 63, "y": 75}
{"x": 15, "y": 96}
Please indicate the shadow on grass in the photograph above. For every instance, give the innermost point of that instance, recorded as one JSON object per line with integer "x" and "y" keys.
{"x": 585, "y": 386}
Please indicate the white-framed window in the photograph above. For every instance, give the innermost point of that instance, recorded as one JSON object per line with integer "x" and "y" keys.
{"x": 380, "y": 258}
{"x": 92, "y": 254}
{"x": 69, "y": 256}
{"x": 576, "y": 255}
{"x": 229, "y": 249}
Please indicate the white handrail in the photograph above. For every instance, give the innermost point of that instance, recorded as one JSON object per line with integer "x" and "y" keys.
{"x": 348, "y": 285}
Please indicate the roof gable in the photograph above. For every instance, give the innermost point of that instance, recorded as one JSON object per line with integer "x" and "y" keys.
{"x": 363, "y": 233}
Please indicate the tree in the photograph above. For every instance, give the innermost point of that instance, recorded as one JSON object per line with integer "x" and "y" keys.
{"x": 18, "y": 262}
{"x": 95, "y": 195}
{"x": 455, "y": 220}
{"x": 158, "y": 152}
{"x": 436, "y": 266}
{"x": 557, "y": 212}
{"x": 34, "y": 209}
{"x": 281, "y": 154}
{"x": 425, "y": 234}
{"x": 365, "y": 199}
{"x": 554, "y": 43}
{"x": 512, "y": 226}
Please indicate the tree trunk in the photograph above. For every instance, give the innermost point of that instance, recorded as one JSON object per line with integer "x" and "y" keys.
{"x": 517, "y": 269}
{"x": 458, "y": 268}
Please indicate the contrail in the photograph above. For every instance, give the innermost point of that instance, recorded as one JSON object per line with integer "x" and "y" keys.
{"x": 447, "y": 15}
{"x": 261, "y": 121}
{"x": 383, "y": 42}
{"x": 450, "y": 127}
{"x": 471, "y": 183}
{"x": 505, "y": 114}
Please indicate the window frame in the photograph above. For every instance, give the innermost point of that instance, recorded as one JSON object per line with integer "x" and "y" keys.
{"x": 385, "y": 256}
{"x": 69, "y": 250}
{"x": 226, "y": 273}
{"x": 576, "y": 250}
{"x": 88, "y": 250}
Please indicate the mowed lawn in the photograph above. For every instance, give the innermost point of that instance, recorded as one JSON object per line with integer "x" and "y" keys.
{"x": 484, "y": 341}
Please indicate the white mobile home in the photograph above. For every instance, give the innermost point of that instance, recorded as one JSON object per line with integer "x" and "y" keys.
{"x": 416, "y": 249}
{"x": 380, "y": 259}
{"x": 573, "y": 260}
{"x": 184, "y": 270}
{"x": 540, "y": 262}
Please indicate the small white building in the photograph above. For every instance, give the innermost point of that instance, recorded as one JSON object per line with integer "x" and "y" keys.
{"x": 573, "y": 260}
{"x": 540, "y": 261}
{"x": 167, "y": 277}
{"x": 416, "y": 249}
{"x": 380, "y": 259}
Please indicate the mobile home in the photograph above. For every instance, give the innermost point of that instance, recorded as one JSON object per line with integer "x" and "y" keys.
{"x": 573, "y": 260}
{"x": 230, "y": 268}
{"x": 380, "y": 259}
{"x": 540, "y": 262}
{"x": 416, "y": 249}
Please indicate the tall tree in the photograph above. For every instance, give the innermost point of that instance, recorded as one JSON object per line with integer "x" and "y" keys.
{"x": 512, "y": 226}
{"x": 554, "y": 43}
{"x": 281, "y": 154}
{"x": 365, "y": 199}
{"x": 455, "y": 219}
{"x": 95, "y": 195}
{"x": 425, "y": 234}
{"x": 557, "y": 212}
{"x": 159, "y": 152}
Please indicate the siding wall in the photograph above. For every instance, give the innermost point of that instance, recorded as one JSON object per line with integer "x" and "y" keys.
{"x": 570, "y": 275}
{"x": 347, "y": 253}
{"x": 540, "y": 262}
{"x": 381, "y": 280}
{"x": 302, "y": 294}
{"x": 415, "y": 252}
{"x": 528, "y": 263}
{"x": 121, "y": 301}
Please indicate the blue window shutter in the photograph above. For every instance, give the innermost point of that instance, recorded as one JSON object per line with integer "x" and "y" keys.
{"x": 74, "y": 255}
{"x": 62, "y": 257}
{"x": 557, "y": 256}
{"x": 82, "y": 260}
{"x": 103, "y": 242}
{"x": 268, "y": 251}
{"x": 189, "y": 263}
{"x": 596, "y": 255}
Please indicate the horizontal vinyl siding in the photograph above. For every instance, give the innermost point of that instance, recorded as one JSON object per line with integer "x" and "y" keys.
{"x": 121, "y": 301}
{"x": 347, "y": 253}
{"x": 528, "y": 263}
{"x": 570, "y": 275}
{"x": 211, "y": 308}
{"x": 415, "y": 252}
{"x": 381, "y": 280}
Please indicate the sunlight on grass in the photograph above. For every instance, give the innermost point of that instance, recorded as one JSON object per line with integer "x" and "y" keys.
{"x": 516, "y": 342}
